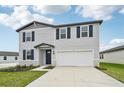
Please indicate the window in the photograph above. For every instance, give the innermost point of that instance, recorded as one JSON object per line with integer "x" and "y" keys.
{"x": 29, "y": 54}
{"x": 28, "y": 36}
{"x": 5, "y": 58}
{"x": 84, "y": 31}
{"x": 102, "y": 56}
{"x": 62, "y": 33}
{"x": 16, "y": 58}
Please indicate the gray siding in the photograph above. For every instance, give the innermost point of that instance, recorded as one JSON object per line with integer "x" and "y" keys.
{"x": 114, "y": 57}
{"x": 48, "y": 35}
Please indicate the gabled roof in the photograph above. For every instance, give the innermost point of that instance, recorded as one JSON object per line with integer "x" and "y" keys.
{"x": 60, "y": 25}
{"x": 42, "y": 44}
{"x": 7, "y": 53}
{"x": 80, "y": 23}
{"x": 33, "y": 22}
{"x": 113, "y": 49}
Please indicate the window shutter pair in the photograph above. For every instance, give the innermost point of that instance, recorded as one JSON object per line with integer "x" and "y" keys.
{"x": 90, "y": 31}
{"x": 32, "y": 54}
{"x": 68, "y": 33}
{"x": 33, "y": 36}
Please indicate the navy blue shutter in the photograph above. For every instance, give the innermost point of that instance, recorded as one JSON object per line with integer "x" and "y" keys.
{"x": 23, "y": 37}
{"x": 24, "y": 54}
{"x": 32, "y": 54}
{"x": 57, "y": 33}
{"x": 90, "y": 30}
{"x": 68, "y": 33}
{"x": 78, "y": 32}
{"x": 33, "y": 36}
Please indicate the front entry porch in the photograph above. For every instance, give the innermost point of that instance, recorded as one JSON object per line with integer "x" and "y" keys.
{"x": 45, "y": 54}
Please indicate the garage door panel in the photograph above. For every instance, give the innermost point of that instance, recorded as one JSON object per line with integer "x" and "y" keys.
{"x": 74, "y": 58}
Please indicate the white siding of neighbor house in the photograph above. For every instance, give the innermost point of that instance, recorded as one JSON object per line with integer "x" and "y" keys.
{"x": 114, "y": 57}
{"x": 48, "y": 35}
{"x": 10, "y": 59}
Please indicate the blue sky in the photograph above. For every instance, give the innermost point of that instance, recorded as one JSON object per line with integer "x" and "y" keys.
{"x": 12, "y": 17}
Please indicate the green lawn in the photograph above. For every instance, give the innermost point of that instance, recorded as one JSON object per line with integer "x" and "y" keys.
{"x": 17, "y": 68}
{"x": 114, "y": 70}
{"x": 18, "y": 79}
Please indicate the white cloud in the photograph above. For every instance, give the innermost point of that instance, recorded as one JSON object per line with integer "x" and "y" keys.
{"x": 8, "y": 6}
{"x": 8, "y": 20}
{"x": 51, "y": 9}
{"x": 116, "y": 41}
{"x": 111, "y": 44}
{"x": 21, "y": 16}
{"x": 97, "y": 11}
{"x": 40, "y": 18}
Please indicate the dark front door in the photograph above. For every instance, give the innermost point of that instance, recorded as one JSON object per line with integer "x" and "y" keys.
{"x": 48, "y": 56}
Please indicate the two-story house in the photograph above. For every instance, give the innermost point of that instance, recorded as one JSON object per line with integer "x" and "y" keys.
{"x": 75, "y": 44}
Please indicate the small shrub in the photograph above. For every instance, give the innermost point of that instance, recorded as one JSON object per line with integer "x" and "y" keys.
{"x": 18, "y": 68}
{"x": 49, "y": 67}
{"x": 31, "y": 65}
{"x": 24, "y": 66}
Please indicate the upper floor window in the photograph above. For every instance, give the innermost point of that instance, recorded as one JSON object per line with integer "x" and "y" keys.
{"x": 62, "y": 33}
{"x": 28, "y": 36}
{"x": 84, "y": 31}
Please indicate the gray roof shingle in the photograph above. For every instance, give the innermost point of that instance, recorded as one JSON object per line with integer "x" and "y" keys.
{"x": 61, "y": 25}
{"x": 113, "y": 49}
{"x": 7, "y": 53}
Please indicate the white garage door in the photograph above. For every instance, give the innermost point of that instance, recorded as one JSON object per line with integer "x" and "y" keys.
{"x": 74, "y": 58}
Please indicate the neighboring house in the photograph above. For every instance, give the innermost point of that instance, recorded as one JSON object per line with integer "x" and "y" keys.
{"x": 113, "y": 55}
{"x": 6, "y": 56}
{"x": 75, "y": 44}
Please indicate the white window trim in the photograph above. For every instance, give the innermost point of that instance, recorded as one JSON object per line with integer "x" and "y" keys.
{"x": 84, "y": 31}
{"x": 60, "y": 33}
{"x": 26, "y": 54}
{"x": 26, "y": 36}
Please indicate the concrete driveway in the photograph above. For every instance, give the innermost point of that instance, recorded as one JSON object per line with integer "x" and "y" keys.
{"x": 75, "y": 77}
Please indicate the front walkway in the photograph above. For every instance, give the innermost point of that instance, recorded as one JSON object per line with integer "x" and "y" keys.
{"x": 75, "y": 77}
{"x": 41, "y": 68}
